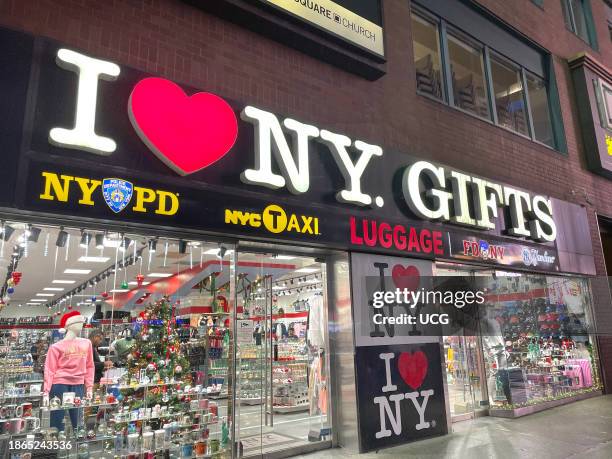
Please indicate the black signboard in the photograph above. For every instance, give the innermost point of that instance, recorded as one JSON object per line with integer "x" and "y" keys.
{"x": 400, "y": 394}
{"x": 142, "y": 179}
{"x": 15, "y": 62}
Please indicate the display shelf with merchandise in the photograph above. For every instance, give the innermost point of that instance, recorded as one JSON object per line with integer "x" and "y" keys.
{"x": 543, "y": 353}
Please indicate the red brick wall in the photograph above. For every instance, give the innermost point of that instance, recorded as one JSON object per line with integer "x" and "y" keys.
{"x": 180, "y": 42}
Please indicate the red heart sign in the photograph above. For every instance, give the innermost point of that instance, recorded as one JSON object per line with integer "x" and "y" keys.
{"x": 406, "y": 278}
{"x": 188, "y": 133}
{"x": 413, "y": 368}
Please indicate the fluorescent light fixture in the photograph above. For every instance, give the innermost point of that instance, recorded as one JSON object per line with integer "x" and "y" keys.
{"x": 86, "y": 259}
{"x": 45, "y": 294}
{"x": 38, "y": 300}
{"x": 136, "y": 283}
{"x": 159, "y": 274}
{"x": 284, "y": 257}
{"x": 33, "y": 304}
{"x": 306, "y": 270}
{"x": 113, "y": 243}
{"x": 277, "y": 287}
{"x": 77, "y": 271}
{"x": 120, "y": 290}
{"x": 216, "y": 252}
{"x": 62, "y": 281}
{"x": 53, "y": 289}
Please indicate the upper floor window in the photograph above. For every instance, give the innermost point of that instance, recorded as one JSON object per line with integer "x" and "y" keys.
{"x": 576, "y": 14}
{"x": 426, "y": 47}
{"x": 470, "y": 75}
{"x": 609, "y": 14}
{"x": 540, "y": 109}
{"x": 467, "y": 71}
{"x": 509, "y": 95}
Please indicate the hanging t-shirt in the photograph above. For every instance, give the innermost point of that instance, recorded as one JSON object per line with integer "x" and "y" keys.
{"x": 316, "y": 333}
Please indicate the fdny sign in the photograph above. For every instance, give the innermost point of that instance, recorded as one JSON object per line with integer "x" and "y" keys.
{"x": 116, "y": 193}
{"x": 482, "y": 249}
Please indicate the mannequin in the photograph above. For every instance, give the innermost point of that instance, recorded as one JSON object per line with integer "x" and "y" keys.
{"x": 69, "y": 367}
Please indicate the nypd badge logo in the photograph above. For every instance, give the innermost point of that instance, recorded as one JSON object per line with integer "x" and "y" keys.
{"x": 117, "y": 193}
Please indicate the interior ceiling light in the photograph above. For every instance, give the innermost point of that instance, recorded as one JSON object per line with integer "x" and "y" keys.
{"x": 33, "y": 234}
{"x": 88, "y": 259}
{"x": 7, "y": 232}
{"x": 306, "y": 270}
{"x": 85, "y": 239}
{"x": 62, "y": 281}
{"x": 62, "y": 237}
{"x": 77, "y": 271}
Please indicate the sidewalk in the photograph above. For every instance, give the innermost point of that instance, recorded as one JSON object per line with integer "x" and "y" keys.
{"x": 582, "y": 429}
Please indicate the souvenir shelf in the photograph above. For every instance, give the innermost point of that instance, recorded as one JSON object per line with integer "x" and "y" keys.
{"x": 289, "y": 377}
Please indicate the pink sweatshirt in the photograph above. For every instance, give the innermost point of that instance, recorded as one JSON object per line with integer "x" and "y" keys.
{"x": 69, "y": 362}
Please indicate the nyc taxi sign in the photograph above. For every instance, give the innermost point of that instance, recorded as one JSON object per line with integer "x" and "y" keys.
{"x": 274, "y": 219}
{"x": 116, "y": 193}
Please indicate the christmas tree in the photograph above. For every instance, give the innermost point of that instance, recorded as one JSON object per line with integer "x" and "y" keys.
{"x": 157, "y": 351}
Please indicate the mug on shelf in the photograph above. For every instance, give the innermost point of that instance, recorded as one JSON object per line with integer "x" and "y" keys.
{"x": 8, "y": 411}
{"x": 16, "y": 425}
{"x": 31, "y": 423}
{"x": 24, "y": 410}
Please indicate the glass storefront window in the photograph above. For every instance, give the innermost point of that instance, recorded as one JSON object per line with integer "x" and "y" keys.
{"x": 112, "y": 341}
{"x": 535, "y": 344}
{"x": 541, "y": 350}
{"x": 509, "y": 95}
{"x": 467, "y": 72}
{"x": 540, "y": 110}
{"x": 426, "y": 48}
{"x": 154, "y": 326}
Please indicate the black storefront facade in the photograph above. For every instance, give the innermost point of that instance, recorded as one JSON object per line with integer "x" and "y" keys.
{"x": 90, "y": 143}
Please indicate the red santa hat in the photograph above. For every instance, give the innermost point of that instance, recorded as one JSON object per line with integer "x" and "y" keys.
{"x": 72, "y": 317}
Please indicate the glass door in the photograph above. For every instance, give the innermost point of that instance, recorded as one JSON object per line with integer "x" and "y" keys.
{"x": 281, "y": 353}
{"x": 464, "y": 362}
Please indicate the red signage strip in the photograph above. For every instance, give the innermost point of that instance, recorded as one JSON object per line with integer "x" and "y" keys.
{"x": 520, "y": 296}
